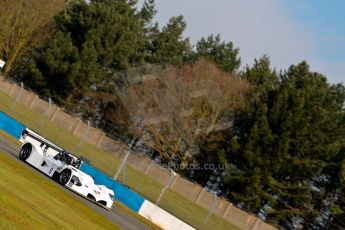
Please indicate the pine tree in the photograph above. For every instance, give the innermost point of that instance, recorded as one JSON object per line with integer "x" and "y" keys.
{"x": 168, "y": 46}
{"x": 221, "y": 52}
{"x": 284, "y": 144}
{"x": 92, "y": 41}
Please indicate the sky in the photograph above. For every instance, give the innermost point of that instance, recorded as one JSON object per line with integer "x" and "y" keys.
{"x": 288, "y": 31}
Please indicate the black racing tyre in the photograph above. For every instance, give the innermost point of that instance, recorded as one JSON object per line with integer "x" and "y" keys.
{"x": 91, "y": 197}
{"x": 56, "y": 176}
{"x": 102, "y": 202}
{"x": 25, "y": 151}
{"x": 65, "y": 176}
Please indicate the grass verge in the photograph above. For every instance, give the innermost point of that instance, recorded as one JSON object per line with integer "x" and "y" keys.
{"x": 137, "y": 216}
{"x": 10, "y": 138}
{"x": 174, "y": 203}
{"x": 27, "y": 201}
{"x": 122, "y": 207}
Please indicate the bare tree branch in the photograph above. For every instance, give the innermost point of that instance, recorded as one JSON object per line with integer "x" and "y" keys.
{"x": 174, "y": 109}
{"x": 24, "y": 25}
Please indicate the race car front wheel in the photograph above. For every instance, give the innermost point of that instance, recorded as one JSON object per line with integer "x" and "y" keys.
{"x": 65, "y": 176}
{"x": 25, "y": 151}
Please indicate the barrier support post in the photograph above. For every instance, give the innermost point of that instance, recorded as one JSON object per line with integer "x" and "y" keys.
{"x": 17, "y": 98}
{"x": 84, "y": 136}
{"x": 210, "y": 212}
{"x": 171, "y": 179}
{"x": 124, "y": 160}
{"x": 45, "y": 114}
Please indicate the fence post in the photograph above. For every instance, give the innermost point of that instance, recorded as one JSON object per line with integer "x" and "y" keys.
{"x": 122, "y": 165}
{"x": 124, "y": 160}
{"x": 33, "y": 101}
{"x": 45, "y": 114}
{"x": 148, "y": 167}
{"x": 210, "y": 212}
{"x": 100, "y": 140}
{"x": 171, "y": 179}
{"x": 199, "y": 195}
{"x": 226, "y": 210}
{"x": 17, "y": 98}
{"x": 60, "y": 128}
{"x": 54, "y": 114}
{"x": 84, "y": 136}
{"x": 49, "y": 106}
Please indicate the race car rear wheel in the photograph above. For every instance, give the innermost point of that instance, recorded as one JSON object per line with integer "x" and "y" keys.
{"x": 65, "y": 176}
{"x": 25, "y": 151}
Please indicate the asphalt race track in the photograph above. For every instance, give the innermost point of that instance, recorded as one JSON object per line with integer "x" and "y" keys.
{"x": 115, "y": 215}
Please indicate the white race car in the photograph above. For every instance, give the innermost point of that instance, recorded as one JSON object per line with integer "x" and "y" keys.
{"x": 63, "y": 167}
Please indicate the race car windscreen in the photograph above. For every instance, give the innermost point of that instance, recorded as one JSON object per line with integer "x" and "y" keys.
{"x": 63, "y": 157}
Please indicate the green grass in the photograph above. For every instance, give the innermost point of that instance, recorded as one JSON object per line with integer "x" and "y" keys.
{"x": 174, "y": 203}
{"x": 28, "y": 201}
{"x": 185, "y": 207}
{"x": 116, "y": 203}
{"x": 10, "y": 138}
{"x": 137, "y": 216}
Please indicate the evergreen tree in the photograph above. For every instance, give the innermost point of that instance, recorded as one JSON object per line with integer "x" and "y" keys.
{"x": 222, "y": 53}
{"x": 93, "y": 40}
{"x": 283, "y": 144}
{"x": 96, "y": 39}
{"x": 59, "y": 62}
{"x": 168, "y": 46}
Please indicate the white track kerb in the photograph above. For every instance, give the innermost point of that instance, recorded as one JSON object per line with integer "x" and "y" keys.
{"x": 161, "y": 217}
